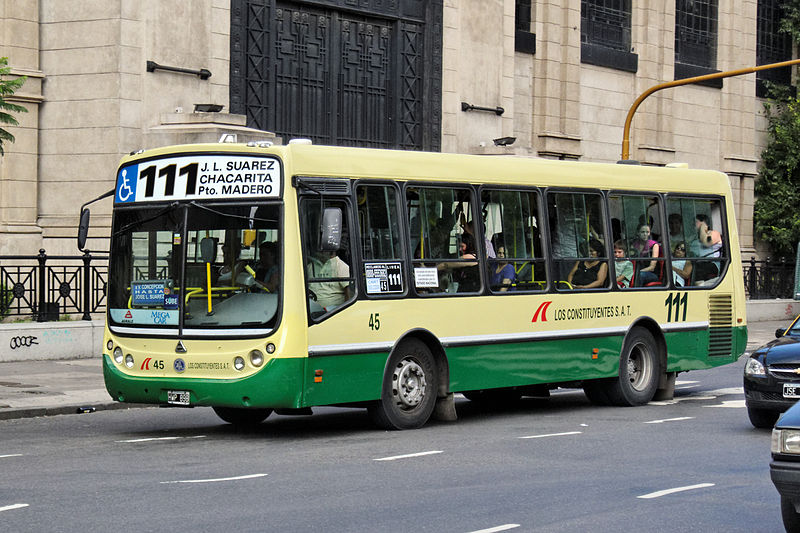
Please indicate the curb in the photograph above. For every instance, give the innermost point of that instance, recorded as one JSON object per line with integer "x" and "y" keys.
{"x": 32, "y": 412}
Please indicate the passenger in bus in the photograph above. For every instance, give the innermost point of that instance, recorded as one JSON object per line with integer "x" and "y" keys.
{"x": 675, "y": 223}
{"x": 502, "y": 276}
{"x": 707, "y": 245}
{"x": 268, "y": 273}
{"x": 645, "y": 246}
{"x": 469, "y": 228}
{"x": 330, "y": 294}
{"x": 592, "y": 273}
{"x": 623, "y": 267}
{"x": 681, "y": 268}
{"x": 461, "y": 276}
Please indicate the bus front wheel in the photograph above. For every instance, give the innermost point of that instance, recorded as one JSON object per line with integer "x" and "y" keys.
{"x": 638, "y": 370}
{"x": 408, "y": 393}
{"x": 242, "y": 417}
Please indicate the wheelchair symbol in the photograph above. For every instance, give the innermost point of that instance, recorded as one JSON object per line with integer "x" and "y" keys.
{"x": 124, "y": 188}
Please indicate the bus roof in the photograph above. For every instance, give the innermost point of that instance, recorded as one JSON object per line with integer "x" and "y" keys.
{"x": 336, "y": 161}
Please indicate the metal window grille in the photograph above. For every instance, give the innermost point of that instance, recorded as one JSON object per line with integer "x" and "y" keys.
{"x": 606, "y": 23}
{"x": 696, "y": 33}
{"x": 771, "y": 45}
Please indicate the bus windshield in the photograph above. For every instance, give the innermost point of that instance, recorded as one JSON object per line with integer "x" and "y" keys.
{"x": 196, "y": 267}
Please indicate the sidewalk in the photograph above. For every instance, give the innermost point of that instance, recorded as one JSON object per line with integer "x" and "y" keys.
{"x": 44, "y": 388}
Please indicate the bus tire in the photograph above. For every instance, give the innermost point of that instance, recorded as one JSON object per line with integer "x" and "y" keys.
{"x": 242, "y": 417}
{"x": 408, "y": 393}
{"x": 638, "y": 370}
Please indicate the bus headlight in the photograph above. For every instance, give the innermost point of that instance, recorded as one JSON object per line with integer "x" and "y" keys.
{"x": 118, "y": 355}
{"x": 753, "y": 367}
{"x": 110, "y": 345}
{"x": 238, "y": 363}
{"x": 129, "y": 361}
{"x": 256, "y": 358}
{"x": 270, "y": 348}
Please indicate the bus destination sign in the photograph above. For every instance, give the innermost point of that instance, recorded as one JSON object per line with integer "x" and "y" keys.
{"x": 199, "y": 177}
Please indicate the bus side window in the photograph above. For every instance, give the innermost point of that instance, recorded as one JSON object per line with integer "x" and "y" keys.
{"x": 578, "y": 240}
{"x": 329, "y": 273}
{"x": 442, "y": 239}
{"x": 640, "y": 248}
{"x": 696, "y": 230}
{"x": 384, "y": 265}
{"x": 512, "y": 224}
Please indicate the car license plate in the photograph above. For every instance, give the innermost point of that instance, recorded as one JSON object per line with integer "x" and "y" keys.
{"x": 178, "y": 397}
{"x": 791, "y": 390}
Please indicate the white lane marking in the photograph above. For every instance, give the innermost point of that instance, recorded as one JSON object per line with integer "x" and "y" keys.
{"x": 420, "y": 454}
{"x": 11, "y": 507}
{"x": 686, "y": 382}
{"x": 665, "y": 492}
{"x": 236, "y": 478}
{"x": 504, "y": 527}
{"x": 11, "y": 455}
{"x": 736, "y": 404}
{"x": 726, "y": 391}
{"x": 682, "y": 399}
{"x": 552, "y": 435}
{"x": 669, "y": 420}
{"x": 149, "y": 439}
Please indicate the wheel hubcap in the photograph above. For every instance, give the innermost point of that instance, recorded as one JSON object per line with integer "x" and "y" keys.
{"x": 408, "y": 384}
{"x": 639, "y": 367}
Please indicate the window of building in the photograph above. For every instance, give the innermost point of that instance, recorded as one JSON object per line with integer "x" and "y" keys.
{"x": 513, "y": 229}
{"x": 696, "y": 39}
{"x": 771, "y": 46}
{"x": 524, "y": 38}
{"x": 606, "y": 34}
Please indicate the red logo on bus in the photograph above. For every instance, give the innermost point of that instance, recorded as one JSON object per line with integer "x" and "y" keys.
{"x": 146, "y": 364}
{"x": 543, "y": 310}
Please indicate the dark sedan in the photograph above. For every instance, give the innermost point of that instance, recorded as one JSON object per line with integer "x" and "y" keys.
{"x": 772, "y": 377}
{"x": 785, "y": 466}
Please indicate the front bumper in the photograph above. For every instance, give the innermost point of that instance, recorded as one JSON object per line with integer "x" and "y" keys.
{"x": 277, "y": 385}
{"x": 786, "y": 477}
{"x": 767, "y": 393}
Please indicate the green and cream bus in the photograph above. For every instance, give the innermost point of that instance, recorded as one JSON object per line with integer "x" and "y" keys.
{"x": 259, "y": 278}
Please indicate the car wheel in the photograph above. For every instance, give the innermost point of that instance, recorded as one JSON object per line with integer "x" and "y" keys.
{"x": 638, "y": 371}
{"x": 242, "y": 417}
{"x": 408, "y": 394}
{"x": 791, "y": 519}
{"x": 762, "y": 418}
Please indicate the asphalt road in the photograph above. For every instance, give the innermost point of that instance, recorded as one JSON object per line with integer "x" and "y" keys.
{"x": 692, "y": 464}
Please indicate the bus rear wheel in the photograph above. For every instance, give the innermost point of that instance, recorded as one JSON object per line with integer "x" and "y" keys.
{"x": 242, "y": 417}
{"x": 638, "y": 370}
{"x": 408, "y": 393}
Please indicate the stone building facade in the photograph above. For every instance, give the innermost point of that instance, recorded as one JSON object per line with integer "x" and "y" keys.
{"x": 93, "y": 95}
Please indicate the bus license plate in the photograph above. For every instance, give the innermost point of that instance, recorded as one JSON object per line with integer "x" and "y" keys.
{"x": 178, "y": 397}
{"x": 791, "y": 390}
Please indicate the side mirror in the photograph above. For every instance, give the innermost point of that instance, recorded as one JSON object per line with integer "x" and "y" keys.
{"x": 330, "y": 229}
{"x": 83, "y": 229}
{"x": 780, "y": 332}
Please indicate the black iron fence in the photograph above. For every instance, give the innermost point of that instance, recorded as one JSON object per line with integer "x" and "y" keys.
{"x": 46, "y": 287}
{"x": 769, "y": 279}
